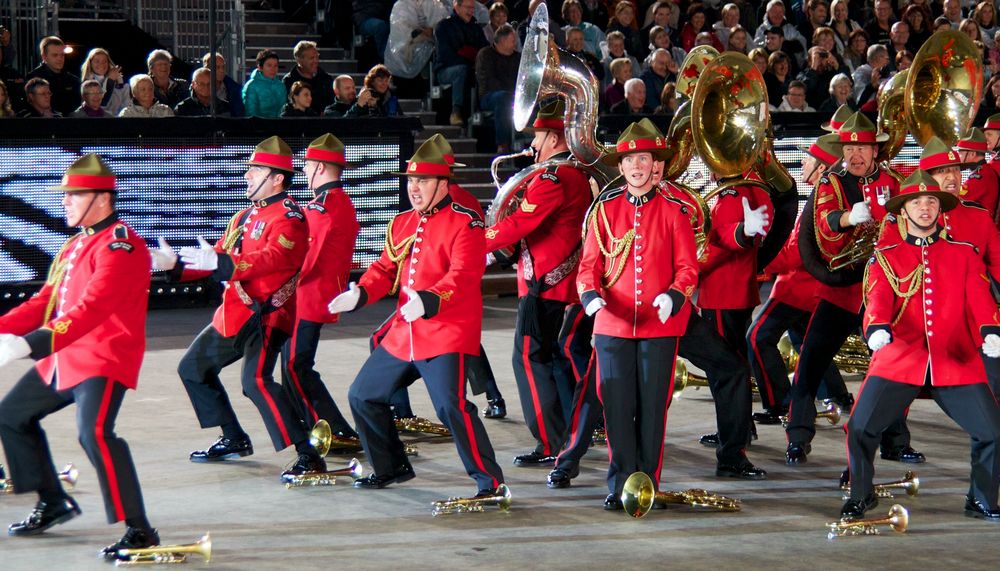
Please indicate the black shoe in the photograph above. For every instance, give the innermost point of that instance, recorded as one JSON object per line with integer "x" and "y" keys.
{"x": 346, "y": 433}
{"x": 224, "y": 449}
{"x": 376, "y": 482}
{"x": 134, "y": 538}
{"x": 976, "y": 509}
{"x": 745, "y": 470}
{"x": 561, "y": 478}
{"x": 769, "y": 416}
{"x": 488, "y": 493}
{"x": 710, "y": 440}
{"x": 534, "y": 459}
{"x": 797, "y": 452}
{"x": 495, "y": 408}
{"x": 855, "y": 509}
{"x": 904, "y": 454}
{"x": 845, "y": 402}
{"x": 306, "y": 462}
{"x": 845, "y": 478}
{"x": 45, "y": 516}
{"x": 613, "y": 502}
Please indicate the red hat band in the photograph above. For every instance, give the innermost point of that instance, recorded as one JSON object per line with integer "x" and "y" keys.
{"x": 314, "y": 154}
{"x": 939, "y": 160}
{"x": 974, "y": 146}
{"x": 818, "y": 152}
{"x": 637, "y": 145}
{"x": 992, "y": 125}
{"x": 272, "y": 160}
{"x": 96, "y": 182}
{"x": 554, "y": 124}
{"x": 858, "y": 137}
{"x": 431, "y": 169}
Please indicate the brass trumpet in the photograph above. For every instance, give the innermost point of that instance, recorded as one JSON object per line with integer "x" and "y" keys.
{"x": 898, "y": 519}
{"x": 69, "y": 475}
{"x": 831, "y": 413}
{"x": 909, "y": 483}
{"x": 166, "y": 553}
{"x": 475, "y": 504}
{"x": 639, "y": 496}
{"x": 417, "y": 424}
{"x": 328, "y": 478}
{"x": 684, "y": 379}
{"x": 323, "y": 439}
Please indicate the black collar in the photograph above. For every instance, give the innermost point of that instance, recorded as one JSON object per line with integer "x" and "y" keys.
{"x": 861, "y": 180}
{"x": 561, "y": 155}
{"x": 270, "y": 199}
{"x": 441, "y": 205}
{"x": 641, "y": 199}
{"x": 322, "y": 189}
{"x": 91, "y": 230}
{"x": 915, "y": 241}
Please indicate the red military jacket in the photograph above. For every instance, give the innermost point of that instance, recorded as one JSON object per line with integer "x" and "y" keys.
{"x": 548, "y": 223}
{"x": 465, "y": 198}
{"x": 89, "y": 319}
{"x": 941, "y": 325}
{"x": 442, "y": 255}
{"x": 636, "y": 248}
{"x": 333, "y": 231}
{"x": 794, "y": 285}
{"x": 260, "y": 255}
{"x": 983, "y": 187}
{"x": 836, "y": 193}
{"x": 728, "y": 277}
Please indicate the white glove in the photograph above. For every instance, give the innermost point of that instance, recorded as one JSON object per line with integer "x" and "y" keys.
{"x": 991, "y": 345}
{"x": 665, "y": 305}
{"x": 490, "y": 259}
{"x": 204, "y": 257}
{"x": 346, "y": 301}
{"x": 880, "y": 339}
{"x": 754, "y": 221}
{"x": 164, "y": 257}
{"x": 413, "y": 309}
{"x": 13, "y": 347}
{"x": 860, "y": 213}
{"x": 594, "y": 306}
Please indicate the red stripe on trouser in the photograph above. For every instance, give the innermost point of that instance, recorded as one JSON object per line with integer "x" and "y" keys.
{"x": 380, "y": 334}
{"x": 597, "y": 377}
{"x": 539, "y": 420}
{"x": 718, "y": 323}
{"x": 666, "y": 405}
{"x": 766, "y": 380}
{"x": 574, "y": 433}
{"x": 795, "y": 377}
{"x": 473, "y": 444}
{"x": 266, "y": 395}
{"x": 102, "y": 443}
{"x": 569, "y": 341}
{"x": 292, "y": 350}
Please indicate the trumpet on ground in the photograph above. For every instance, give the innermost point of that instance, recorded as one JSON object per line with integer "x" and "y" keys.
{"x": 323, "y": 439}
{"x": 166, "y": 553}
{"x": 897, "y": 520}
{"x": 328, "y": 478}
{"x": 69, "y": 475}
{"x": 500, "y": 498}
{"x": 831, "y": 413}
{"x": 417, "y": 424}
{"x": 910, "y": 483}
{"x": 639, "y": 496}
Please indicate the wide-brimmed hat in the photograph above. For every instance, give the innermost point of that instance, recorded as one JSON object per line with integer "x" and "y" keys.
{"x": 428, "y": 160}
{"x": 825, "y": 149}
{"x": 273, "y": 153}
{"x": 638, "y": 138}
{"x": 327, "y": 149}
{"x": 974, "y": 140}
{"x": 87, "y": 174}
{"x": 842, "y": 114}
{"x": 992, "y": 122}
{"x": 859, "y": 130}
{"x": 939, "y": 155}
{"x": 551, "y": 117}
{"x": 446, "y": 150}
{"x": 921, "y": 183}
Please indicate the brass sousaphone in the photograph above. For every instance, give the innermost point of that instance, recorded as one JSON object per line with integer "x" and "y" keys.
{"x": 944, "y": 87}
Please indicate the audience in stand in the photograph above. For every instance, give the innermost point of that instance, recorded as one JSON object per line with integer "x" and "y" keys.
{"x": 621, "y": 71}
{"x": 371, "y": 18}
{"x": 918, "y": 19}
{"x": 793, "y": 42}
{"x": 868, "y": 77}
{"x": 856, "y": 53}
{"x": 39, "y": 99}
{"x": 616, "y": 49}
{"x": 14, "y": 83}
{"x": 115, "y": 92}
{"x": 376, "y": 99}
{"x": 496, "y": 76}
{"x": 345, "y": 94}
{"x": 6, "y": 110}
{"x": 264, "y": 95}
{"x": 778, "y": 77}
{"x": 635, "y": 100}
{"x": 411, "y": 36}
{"x": 167, "y": 90}
{"x": 308, "y": 71}
{"x": 64, "y": 87}
{"x": 575, "y": 46}
{"x": 624, "y": 22}
{"x": 593, "y": 36}
{"x": 659, "y": 17}
{"x": 299, "y": 101}
{"x": 144, "y": 103}
{"x": 668, "y": 100}
{"x": 840, "y": 91}
{"x": 841, "y": 24}
{"x": 93, "y": 96}
{"x": 816, "y": 77}
{"x": 459, "y": 39}
{"x": 795, "y": 99}
{"x": 227, "y": 89}
{"x": 199, "y": 103}
{"x": 662, "y": 68}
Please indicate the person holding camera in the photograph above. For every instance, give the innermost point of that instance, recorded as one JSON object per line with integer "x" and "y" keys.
{"x": 822, "y": 68}
{"x": 376, "y": 100}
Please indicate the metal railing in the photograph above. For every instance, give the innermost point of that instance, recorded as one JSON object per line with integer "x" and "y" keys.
{"x": 28, "y": 22}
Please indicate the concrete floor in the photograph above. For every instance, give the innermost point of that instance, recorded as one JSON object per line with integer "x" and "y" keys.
{"x": 257, "y": 524}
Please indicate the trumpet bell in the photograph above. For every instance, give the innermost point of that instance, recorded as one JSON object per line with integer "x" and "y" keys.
{"x": 891, "y": 116}
{"x": 638, "y": 495}
{"x": 898, "y": 520}
{"x": 944, "y": 87}
{"x": 321, "y": 437}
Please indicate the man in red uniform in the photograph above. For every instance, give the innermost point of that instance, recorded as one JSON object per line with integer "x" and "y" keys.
{"x": 333, "y": 230}
{"x": 547, "y": 226}
{"x": 86, "y": 329}
{"x": 983, "y": 184}
{"x": 435, "y": 255}
{"x": 844, "y": 205}
{"x": 258, "y": 257}
{"x": 928, "y": 309}
{"x": 991, "y": 130}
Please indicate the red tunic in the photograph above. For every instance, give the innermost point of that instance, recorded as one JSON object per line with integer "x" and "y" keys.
{"x": 89, "y": 319}
{"x": 794, "y": 285}
{"x": 333, "y": 231}
{"x": 982, "y": 187}
{"x": 941, "y": 327}
{"x": 441, "y": 255}
{"x": 658, "y": 255}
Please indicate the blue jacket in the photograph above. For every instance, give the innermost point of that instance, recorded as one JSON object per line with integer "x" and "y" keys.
{"x": 264, "y": 97}
{"x": 458, "y": 42}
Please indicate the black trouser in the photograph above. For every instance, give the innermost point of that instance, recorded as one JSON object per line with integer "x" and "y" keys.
{"x": 544, "y": 377}
{"x": 382, "y": 375}
{"x": 586, "y": 410}
{"x": 635, "y": 379}
{"x": 210, "y": 352}
{"x": 98, "y": 401}
{"x": 992, "y": 372}
{"x": 302, "y": 383}
{"x": 973, "y": 407}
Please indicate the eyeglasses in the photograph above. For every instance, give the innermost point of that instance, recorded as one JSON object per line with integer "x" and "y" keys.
{"x": 43, "y": 94}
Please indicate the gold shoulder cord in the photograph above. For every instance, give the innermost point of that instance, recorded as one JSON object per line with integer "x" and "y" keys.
{"x": 617, "y": 249}
{"x": 915, "y": 278}
{"x": 838, "y": 193}
{"x": 233, "y": 232}
{"x": 397, "y": 253}
{"x": 56, "y": 272}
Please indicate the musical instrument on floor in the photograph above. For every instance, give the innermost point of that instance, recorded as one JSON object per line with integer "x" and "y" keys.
{"x": 909, "y": 483}
{"x": 327, "y": 478}
{"x": 832, "y": 413}
{"x": 69, "y": 475}
{"x": 166, "y": 553}
{"x": 422, "y": 425}
{"x": 897, "y": 520}
{"x": 502, "y": 500}
{"x": 640, "y": 495}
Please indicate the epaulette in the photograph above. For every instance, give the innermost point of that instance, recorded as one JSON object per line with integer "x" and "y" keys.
{"x": 549, "y": 176}
{"x": 890, "y": 217}
{"x": 317, "y": 207}
{"x": 611, "y": 193}
{"x": 976, "y": 173}
{"x": 121, "y": 245}
{"x": 973, "y": 204}
{"x": 476, "y": 220}
{"x": 121, "y": 231}
{"x": 729, "y": 192}
{"x": 951, "y": 240}
{"x": 290, "y": 204}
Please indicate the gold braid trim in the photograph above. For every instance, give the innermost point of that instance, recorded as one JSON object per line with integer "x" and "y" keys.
{"x": 915, "y": 278}
{"x": 397, "y": 253}
{"x": 56, "y": 272}
{"x": 838, "y": 193}
{"x": 616, "y": 251}
{"x": 233, "y": 232}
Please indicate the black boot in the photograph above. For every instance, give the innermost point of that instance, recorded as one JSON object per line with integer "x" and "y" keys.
{"x": 134, "y": 538}
{"x": 224, "y": 449}
{"x": 44, "y": 516}
{"x": 495, "y": 408}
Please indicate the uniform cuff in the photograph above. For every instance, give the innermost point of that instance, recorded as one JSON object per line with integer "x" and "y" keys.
{"x": 362, "y": 299}
{"x": 588, "y": 296}
{"x": 877, "y": 327}
{"x": 224, "y": 269}
{"x": 989, "y": 330}
{"x": 432, "y": 303}
{"x": 742, "y": 240}
{"x": 40, "y": 341}
{"x": 176, "y": 274}
{"x": 678, "y": 300}
{"x": 507, "y": 261}
{"x": 833, "y": 219}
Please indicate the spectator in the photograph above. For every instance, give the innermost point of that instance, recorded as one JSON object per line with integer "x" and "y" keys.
{"x": 575, "y": 46}
{"x": 817, "y": 12}
{"x": 199, "y": 103}
{"x": 759, "y": 58}
{"x": 774, "y": 42}
{"x": 572, "y": 14}
{"x": 227, "y": 89}
{"x": 840, "y": 94}
{"x": 615, "y": 50}
{"x": 778, "y": 77}
{"x": 376, "y": 99}
{"x": 659, "y": 16}
{"x": 93, "y": 95}
{"x": 371, "y": 18}
{"x": 144, "y": 103}
{"x": 991, "y": 95}
{"x": 723, "y": 27}
{"x": 985, "y": 15}
{"x": 952, "y": 11}
{"x": 167, "y": 90}
{"x": 8, "y": 52}
{"x": 6, "y": 111}
{"x": 635, "y": 100}
{"x": 942, "y": 23}
{"x": 555, "y": 32}
{"x": 624, "y": 21}
{"x": 459, "y": 40}
{"x": 662, "y": 68}
{"x": 881, "y": 25}
{"x": 919, "y": 20}
{"x": 816, "y": 78}
{"x": 694, "y": 26}
{"x": 994, "y": 55}
{"x": 825, "y": 38}
{"x": 795, "y": 99}
{"x": 668, "y": 100}
{"x": 411, "y": 36}
{"x": 857, "y": 50}
{"x": 345, "y": 95}
{"x": 899, "y": 36}
{"x": 39, "y": 95}
{"x": 299, "y": 101}
{"x": 595, "y": 12}
{"x": 660, "y": 39}
{"x": 14, "y": 83}
{"x": 868, "y": 77}
{"x": 63, "y": 85}
{"x": 264, "y": 94}
{"x": 496, "y": 76}
{"x": 794, "y": 43}
{"x": 971, "y": 29}
{"x": 308, "y": 71}
{"x": 621, "y": 71}
{"x": 499, "y": 16}
{"x": 841, "y": 25}
{"x": 904, "y": 60}
{"x": 114, "y": 91}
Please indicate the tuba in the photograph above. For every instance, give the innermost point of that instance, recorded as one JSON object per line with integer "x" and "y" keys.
{"x": 892, "y": 119}
{"x": 944, "y": 87}
{"x": 898, "y": 520}
{"x": 639, "y": 495}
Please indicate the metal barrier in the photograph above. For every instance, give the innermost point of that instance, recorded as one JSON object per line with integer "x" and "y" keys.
{"x": 28, "y": 22}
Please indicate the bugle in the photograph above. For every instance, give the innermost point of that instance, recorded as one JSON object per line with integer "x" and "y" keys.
{"x": 909, "y": 483}
{"x": 897, "y": 520}
{"x": 502, "y": 500}
{"x": 166, "y": 553}
{"x": 327, "y": 478}
{"x": 640, "y": 495}
{"x": 69, "y": 475}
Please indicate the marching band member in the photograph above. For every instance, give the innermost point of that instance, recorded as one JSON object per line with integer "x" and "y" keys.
{"x": 547, "y": 228}
{"x": 928, "y": 310}
{"x": 258, "y": 257}
{"x": 435, "y": 255}
{"x": 991, "y": 130}
{"x": 333, "y": 231}
{"x": 86, "y": 328}
{"x": 983, "y": 183}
